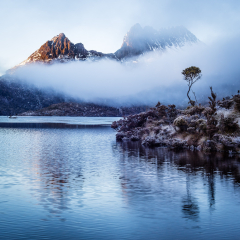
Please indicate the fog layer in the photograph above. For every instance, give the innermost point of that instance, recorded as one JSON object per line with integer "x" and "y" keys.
{"x": 155, "y": 76}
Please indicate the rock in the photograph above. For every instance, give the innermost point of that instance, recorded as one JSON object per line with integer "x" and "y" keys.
{"x": 219, "y": 147}
{"x": 149, "y": 141}
{"x": 227, "y": 143}
{"x": 177, "y": 144}
{"x": 192, "y": 148}
{"x": 209, "y": 146}
{"x": 154, "y": 128}
{"x": 140, "y": 40}
{"x": 61, "y": 49}
{"x": 199, "y": 148}
{"x": 134, "y": 138}
{"x": 120, "y": 136}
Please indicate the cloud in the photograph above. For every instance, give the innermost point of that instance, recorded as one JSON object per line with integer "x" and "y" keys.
{"x": 101, "y": 25}
{"x": 155, "y": 76}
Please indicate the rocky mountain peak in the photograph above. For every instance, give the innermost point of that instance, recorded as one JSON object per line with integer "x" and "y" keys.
{"x": 60, "y": 48}
{"x": 137, "y": 41}
{"x": 140, "y": 40}
{"x": 59, "y": 37}
{"x": 135, "y": 29}
{"x": 135, "y": 32}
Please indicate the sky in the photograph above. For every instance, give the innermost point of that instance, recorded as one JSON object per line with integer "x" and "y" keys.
{"x": 101, "y": 25}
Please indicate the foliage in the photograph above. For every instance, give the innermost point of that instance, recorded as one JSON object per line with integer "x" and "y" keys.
{"x": 228, "y": 124}
{"x": 172, "y": 112}
{"x": 191, "y": 75}
{"x": 181, "y": 123}
{"x": 192, "y": 110}
{"x": 210, "y": 114}
{"x": 226, "y": 103}
{"x": 236, "y": 100}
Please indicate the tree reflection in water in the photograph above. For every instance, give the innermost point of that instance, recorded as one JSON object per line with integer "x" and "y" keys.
{"x": 191, "y": 163}
{"x": 190, "y": 207}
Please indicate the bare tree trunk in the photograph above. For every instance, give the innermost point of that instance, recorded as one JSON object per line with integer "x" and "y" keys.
{"x": 188, "y": 93}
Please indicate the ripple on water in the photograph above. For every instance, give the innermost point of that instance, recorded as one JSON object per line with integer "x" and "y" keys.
{"x": 81, "y": 184}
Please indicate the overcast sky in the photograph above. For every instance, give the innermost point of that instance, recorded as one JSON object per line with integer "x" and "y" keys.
{"x": 101, "y": 25}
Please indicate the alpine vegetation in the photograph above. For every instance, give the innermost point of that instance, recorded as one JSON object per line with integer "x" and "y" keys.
{"x": 197, "y": 127}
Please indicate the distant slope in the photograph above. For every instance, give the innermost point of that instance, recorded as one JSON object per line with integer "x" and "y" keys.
{"x": 141, "y": 40}
{"x": 136, "y": 42}
{"x": 17, "y": 97}
{"x": 84, "y": 110}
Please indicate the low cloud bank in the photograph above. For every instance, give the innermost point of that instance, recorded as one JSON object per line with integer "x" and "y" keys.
{"x": 153, "y": 77}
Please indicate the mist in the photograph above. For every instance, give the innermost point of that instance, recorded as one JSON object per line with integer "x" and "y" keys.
{"x": 153, "y": 77}
{"x": 101, "y": 25}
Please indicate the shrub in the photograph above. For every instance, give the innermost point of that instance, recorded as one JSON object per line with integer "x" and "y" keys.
{"x": 181, "y": 123}
{"x": 228, "y": 124}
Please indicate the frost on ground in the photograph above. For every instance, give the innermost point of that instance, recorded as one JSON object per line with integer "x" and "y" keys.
{"x": 213, "y": 128}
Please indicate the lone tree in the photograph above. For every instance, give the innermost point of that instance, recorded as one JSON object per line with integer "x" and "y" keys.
{"x": 191, "y": 75}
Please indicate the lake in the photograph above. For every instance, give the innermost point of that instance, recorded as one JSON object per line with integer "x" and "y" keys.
{"x": 79, "y": 183}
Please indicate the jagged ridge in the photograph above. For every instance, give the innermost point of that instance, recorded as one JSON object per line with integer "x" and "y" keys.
{"x": 16, "y": 97}
{"x": 61, "y": 49}
{"x": 140, "y": 40}
{"x": 136, "y": 42}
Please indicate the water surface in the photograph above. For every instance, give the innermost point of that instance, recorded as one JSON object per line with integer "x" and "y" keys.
{"x": 55, "y": 122}
{"x": 56, "y": 119}
{"x": 81, "y": 184}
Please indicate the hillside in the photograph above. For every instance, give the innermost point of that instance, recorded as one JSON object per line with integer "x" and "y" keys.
{"x": 17, "y": 97}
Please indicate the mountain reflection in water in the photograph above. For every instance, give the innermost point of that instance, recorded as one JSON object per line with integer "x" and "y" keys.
{"x": 82, "y": 184}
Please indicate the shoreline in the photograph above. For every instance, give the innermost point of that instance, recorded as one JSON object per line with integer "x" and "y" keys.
{"x": 208, "y": 129}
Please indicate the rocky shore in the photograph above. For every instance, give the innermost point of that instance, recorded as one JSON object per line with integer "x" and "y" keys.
{"x": 204, "y": 128}
{"x": 84, "y": 110}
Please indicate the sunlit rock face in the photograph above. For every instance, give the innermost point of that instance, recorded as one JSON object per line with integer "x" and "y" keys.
{"x": 61, "y": 49}
{"x": 17, "y": 97}
{"x": 140, "y": 40}
{"x": 136, "y": 42}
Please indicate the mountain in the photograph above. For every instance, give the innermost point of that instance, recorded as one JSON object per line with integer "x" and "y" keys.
{"x": 61, "y": 49}
{"x": 136, "y": 42}
{"x": 140, "y": 40}
{"x": 17, "y": 97}
{"x": 84, "y": 110}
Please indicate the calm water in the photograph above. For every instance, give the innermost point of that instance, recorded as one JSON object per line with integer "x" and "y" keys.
{"x": 66, "y": 120}
{"x": 81, "y": 184}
